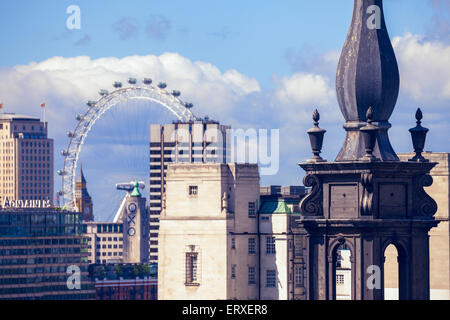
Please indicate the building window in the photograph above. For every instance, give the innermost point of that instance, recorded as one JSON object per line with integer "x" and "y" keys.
{"x": 270, "y": 245}
{"x": 191, "y": 268}
{"x": 271, "y": 278}
{"x": 233, "y": 271}
{"x": 193, "y": 191}
{"x": 340, "y": 279}
{"x": 251, "y": 209}
{"x": 251, "y": 275}
{"x": 233, "y": 243}
{"x": 251, "y": 246}
{"x": 298, "y": 276}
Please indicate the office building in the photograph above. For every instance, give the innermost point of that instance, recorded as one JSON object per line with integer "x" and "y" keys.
{"x": 125, "y": 281}
{"x": 26, "y": 159}
{"x": 180, "y": 142}
{"x": 126, "y": 239}
{"x": 39, "y": 248}
{"x": 209, "y": 233}
{"x": 278, "y": 277}
{"x": 105, "y": 242}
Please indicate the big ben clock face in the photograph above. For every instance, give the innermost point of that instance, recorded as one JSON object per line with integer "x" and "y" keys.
{"x": 132, "y": 207}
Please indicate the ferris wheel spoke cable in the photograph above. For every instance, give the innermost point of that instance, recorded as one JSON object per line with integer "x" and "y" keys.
{"x": 97, "y": 109}
{"x": 130, "y": 123}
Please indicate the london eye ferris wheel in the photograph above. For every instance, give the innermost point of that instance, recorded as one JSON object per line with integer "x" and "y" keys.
{"x": 130, "y": 110}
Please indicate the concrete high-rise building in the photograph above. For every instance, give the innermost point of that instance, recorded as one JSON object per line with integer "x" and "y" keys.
{"x": 26, "y": 159}
{"x": 83, "y": 199}
{"x": 209, "y": 233}
{"x": 180, "y": 142}
{"x": 40, "y": 248}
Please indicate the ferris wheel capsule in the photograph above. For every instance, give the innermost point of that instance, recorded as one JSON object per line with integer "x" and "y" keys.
{"x": 70, "y": 134}
{"x": 162, "y": 85}
{"x": 61, "y": 172}
{"x": 189, "y": 105}
{"x": 91, "y": 103}
{"x": 147, "y": 81}
{"x": 79, "y": 117}
{"x": 65, "y": 153}
{"x": 103, "y": 92}
{"x": 176, "y": 93}
{"x": 60, "y": 193}
{"x": 117, "y": 85}
{"x": 132, "y": 81}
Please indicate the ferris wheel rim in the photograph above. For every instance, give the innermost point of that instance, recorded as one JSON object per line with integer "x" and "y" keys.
{"x": 95, "y": 111}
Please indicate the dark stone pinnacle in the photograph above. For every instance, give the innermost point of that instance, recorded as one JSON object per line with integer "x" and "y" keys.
{"x": 367, "y": 75}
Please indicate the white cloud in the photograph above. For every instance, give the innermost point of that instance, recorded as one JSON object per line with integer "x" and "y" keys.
{"x": 234, "y": 98}
{"x": 424, "y": 68}
{"x": 304, "y": 89}
{"x": 298, "y": 95}
{"x": 66, "y": 83}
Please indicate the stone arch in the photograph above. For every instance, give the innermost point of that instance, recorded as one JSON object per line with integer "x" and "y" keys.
{"x": 403, "y": 265}
{"x": 334, "y": 246}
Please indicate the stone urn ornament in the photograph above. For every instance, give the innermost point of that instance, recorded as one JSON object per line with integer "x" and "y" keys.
{"x": 418, "y": 136}
{"x": 316, "y": 135}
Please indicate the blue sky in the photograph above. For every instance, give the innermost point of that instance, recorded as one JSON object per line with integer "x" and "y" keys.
{"x": 261, "y": 64}
{"x": 250, "y": 36}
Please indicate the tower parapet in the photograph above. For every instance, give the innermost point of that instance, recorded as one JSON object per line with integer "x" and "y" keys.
{"x": 367, "y": 199}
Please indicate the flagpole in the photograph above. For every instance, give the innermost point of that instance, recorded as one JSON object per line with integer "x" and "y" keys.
{"x": 43, "y": 105}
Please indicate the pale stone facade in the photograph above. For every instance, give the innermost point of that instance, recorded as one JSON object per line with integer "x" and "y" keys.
{"x": 105, "y": 242}
{"x": 275, "y": 227}
{"x": 180, "y": 142}
{"x": 208, "y": 233}
{"x": 439, "y": 236}
{"x": 344, "y": 276}
{"x": 26, "y": 159}
{"x": 135, "y": 230}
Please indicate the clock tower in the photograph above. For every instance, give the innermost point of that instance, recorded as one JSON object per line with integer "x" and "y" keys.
{"x": 83, "y": 199}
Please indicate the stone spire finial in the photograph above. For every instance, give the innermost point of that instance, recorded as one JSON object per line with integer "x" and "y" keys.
{"x": 367, "y": 75}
